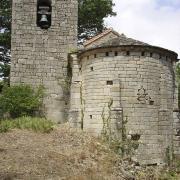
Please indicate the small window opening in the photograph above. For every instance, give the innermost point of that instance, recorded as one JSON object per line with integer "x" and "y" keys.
{"x": 90, "y": 116}
{"x": 107, "y": 53}
{"x": 153, "y": 164}
{"x": 92, "y": 69}
{"x": 80, "y": 69}
{"x": 143, "y": 53}
{"x": 127, "y": 53}
{"x": 95, "y": 55}
{"x": 135, "y": 137}
{"x": 151, "y": 54}
{"x": 109, "y": 82}
{"x": 116, "y": 53}
{"x": 87, "y": 57}
{"x": 151, "y": 102}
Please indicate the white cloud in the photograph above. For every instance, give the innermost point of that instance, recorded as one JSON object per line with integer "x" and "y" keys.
{"x": 152, "y": 21}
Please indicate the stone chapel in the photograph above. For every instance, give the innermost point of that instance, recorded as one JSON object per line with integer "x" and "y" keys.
{"x": 111, "y": 75}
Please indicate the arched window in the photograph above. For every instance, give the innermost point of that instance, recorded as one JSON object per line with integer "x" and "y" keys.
{"x": 44, "y": 11}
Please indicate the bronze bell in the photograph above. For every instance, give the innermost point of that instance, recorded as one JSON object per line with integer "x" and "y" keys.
{"x": 44, "y": 21}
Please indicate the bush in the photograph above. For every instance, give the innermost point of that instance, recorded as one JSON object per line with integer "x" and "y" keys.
{"x": 20, "y": 100}
{"x": 35, "y": 124}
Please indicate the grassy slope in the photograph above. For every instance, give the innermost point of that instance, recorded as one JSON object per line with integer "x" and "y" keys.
{"x": 64, "y": 153}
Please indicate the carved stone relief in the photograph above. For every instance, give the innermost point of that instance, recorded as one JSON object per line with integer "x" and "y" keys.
{"x": 143, "y": 96}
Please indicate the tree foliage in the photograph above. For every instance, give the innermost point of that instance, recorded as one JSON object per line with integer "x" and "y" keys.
{"x": 4, "y": 66}
{"x": 20, "y": 100}
{"x": 91, "y": 14}
{"x": 5, "y": 10}
{"x": 4, "y": 71}
{"x": 5, "y": 23}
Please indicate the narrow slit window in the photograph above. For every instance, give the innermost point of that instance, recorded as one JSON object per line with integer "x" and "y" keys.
{"x": 127, "y": 53}
{"x": 151, "y": 54}
{"x": 95, "y": 55}
{"x": 116, "y": 53}
{"x": 90, "y": 116}
{"x": 109, "y": 83}
{"x": 87, "y": 57}
{"x": 107, "y": 53}
{"x": 143, "y": 53}
{"x": 92, "y": 69}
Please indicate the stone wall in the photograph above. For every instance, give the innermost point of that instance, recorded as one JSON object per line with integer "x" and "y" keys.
{"x": 176, "y": 123}
{"x": 40, "y": 56}
{"x": 141, "y": 85}
{"x": 176, "y": 137}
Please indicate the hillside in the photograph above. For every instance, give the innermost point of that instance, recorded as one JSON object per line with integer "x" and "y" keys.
{"x": 63, "y": 154}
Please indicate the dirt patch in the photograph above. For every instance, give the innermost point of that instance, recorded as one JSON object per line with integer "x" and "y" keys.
{"x": 65, "y": 154}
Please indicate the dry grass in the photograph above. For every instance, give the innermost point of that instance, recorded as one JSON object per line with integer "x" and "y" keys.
{"x": 66, "y": 154}
{"x": 62, "y": 154}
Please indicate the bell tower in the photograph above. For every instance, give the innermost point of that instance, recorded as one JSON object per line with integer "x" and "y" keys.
{"x": 43, "y": 33}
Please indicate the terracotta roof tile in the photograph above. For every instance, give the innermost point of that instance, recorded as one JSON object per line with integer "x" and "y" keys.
{"x": 121, "y": 40}
{"x": 95, "y": 38}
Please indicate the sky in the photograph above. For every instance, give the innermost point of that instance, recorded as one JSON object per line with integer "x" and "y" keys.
{"x": 156, "y": 22}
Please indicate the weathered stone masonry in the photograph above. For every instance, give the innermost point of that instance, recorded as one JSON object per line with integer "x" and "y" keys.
{"x": 39, "y": 57}
{"x": 140, "y": 80}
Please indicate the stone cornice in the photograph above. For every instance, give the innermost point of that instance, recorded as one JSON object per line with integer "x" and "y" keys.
{"x": 137, "y": 48}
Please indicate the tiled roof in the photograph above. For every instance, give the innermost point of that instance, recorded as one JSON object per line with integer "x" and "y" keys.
{"x": 95, "y": 38}
{"x": 121, "y": 40}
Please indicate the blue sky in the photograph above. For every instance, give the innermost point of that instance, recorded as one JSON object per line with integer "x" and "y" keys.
{"x": 173, "y": 3}
{"x": 156, "y": 22}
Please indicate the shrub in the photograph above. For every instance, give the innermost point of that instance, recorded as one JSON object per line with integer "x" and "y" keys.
{"x": 35, "y": 124}
{"x": 20, "y": 100}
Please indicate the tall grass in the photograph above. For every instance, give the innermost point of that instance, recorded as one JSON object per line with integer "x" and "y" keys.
{"x": 35, "y": 124}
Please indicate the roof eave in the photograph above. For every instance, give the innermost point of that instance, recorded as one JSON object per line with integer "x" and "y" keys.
{"x": 81, "y": 52}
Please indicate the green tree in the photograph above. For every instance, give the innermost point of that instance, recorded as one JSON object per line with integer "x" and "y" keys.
{"x": 5, "y": 23}
{"x": 20, "y": 100}
{"x": 4, "y": 67}
{"x": 91, "y": 14}
{"x": 5, "y": 71}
